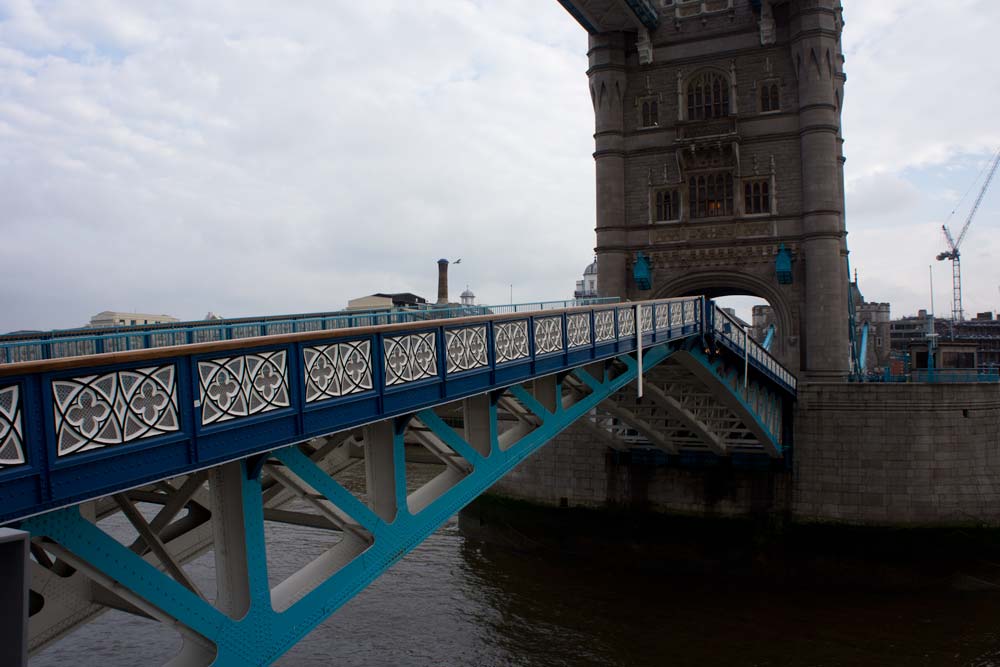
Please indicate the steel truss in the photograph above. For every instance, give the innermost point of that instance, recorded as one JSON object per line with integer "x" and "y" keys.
{"x": 696, "y": 401}
{"x": 80, "y": 569}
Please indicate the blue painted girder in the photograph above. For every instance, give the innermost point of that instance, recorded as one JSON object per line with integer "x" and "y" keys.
{"x": 262, "y": 633}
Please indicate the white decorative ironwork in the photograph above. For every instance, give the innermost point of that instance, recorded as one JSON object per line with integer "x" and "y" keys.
{"x": 676, "y": 316}
{"x": 626, "y": 322}
{"x": 466, "y": 348}
{"x": 604, "y": 325}
{"x": 99, "y": 411}
{"x": 410, "y": 358}
{"x": 250, "y": 384}
{"x": 578, "y": 329}
{"x": 337, "y": 370}
{"x": 510, "y": 341}
{"x": 689, "y": 313}
{"x": 548, "y": 335}
{"x": 11, "y": 434}
{"x": 662, "y": 316}
{"x": 647, "y": 318}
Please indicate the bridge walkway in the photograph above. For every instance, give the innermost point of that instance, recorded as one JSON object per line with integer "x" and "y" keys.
{"x": 198, "y": 446}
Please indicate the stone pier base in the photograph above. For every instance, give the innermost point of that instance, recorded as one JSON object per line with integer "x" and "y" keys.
{"x": 863, "y": 454}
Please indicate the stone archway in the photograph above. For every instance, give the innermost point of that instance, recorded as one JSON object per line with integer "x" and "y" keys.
{"x": 714, "y": 284}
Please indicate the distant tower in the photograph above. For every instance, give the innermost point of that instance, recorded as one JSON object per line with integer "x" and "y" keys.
{"x": 587, "y": 288}
{"x": 719, "y": 156}
{"x": 468, "y": 298}
{"x": 442, "y": 282}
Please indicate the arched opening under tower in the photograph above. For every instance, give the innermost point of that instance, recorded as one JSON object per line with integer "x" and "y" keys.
{"x": 745, "y": 294}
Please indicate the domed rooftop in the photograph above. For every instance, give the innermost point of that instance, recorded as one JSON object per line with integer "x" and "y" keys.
{"x": 591, "y": 268}
{"x": 467, "y": 293}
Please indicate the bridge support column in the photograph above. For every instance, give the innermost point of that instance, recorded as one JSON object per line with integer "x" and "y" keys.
{"x": 380, "y": 469}
{"x": 608, "y": 82}
{"x": 479, "y": 423}
{"x": 816, "y": 52}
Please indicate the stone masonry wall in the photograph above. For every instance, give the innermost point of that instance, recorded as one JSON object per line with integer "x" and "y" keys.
{"x": 898, "y": 454}
{"x": 864, "y": 454}
{"x": 578, "y": 470}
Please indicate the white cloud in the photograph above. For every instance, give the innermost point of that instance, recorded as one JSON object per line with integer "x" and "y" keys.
{"x": 230, "y": 157}
{"x": 227, "y": 156}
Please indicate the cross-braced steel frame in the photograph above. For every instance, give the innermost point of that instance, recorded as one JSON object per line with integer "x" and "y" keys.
{"x": 477, "y": 440}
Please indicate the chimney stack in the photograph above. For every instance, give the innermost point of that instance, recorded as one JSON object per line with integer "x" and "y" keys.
{"x": 442, "y": 282}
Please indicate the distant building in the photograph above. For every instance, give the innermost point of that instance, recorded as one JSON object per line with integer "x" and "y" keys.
{"x": 211, "y": 317}
{"x": 876, "y": 315}
{"x": 983, "y": 332}
{"x": 587, "y": 288}
{"x": 383, "y": 301}
{"x": 739, "y": 320}
{"x": 110, "y": 318}
{"x": 468, "y": 298}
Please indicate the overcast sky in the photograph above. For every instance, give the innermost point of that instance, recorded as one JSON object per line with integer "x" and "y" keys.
{"x": 240, "y": 158}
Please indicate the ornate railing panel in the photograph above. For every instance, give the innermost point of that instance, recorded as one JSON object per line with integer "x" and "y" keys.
{"x": 11, "y": 432}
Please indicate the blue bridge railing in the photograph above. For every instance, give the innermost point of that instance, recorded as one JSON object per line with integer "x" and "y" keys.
{"x": 733, "y": 335}
{"x": 80, "y": 342}
{"x": 79, "y": 428}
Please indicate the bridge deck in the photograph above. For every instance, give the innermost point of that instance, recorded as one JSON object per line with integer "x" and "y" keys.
{"x": 84, "y": 427}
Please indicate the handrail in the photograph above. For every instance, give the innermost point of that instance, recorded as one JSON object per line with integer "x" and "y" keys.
{"x": 732, "y": 331}
{"x": 72, "y": 343}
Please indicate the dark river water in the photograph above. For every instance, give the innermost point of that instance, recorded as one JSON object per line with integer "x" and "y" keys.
{"x": 455, "y": 601}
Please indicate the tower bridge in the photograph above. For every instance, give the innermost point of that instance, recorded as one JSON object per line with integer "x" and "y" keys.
{"x": 719, "y": 171}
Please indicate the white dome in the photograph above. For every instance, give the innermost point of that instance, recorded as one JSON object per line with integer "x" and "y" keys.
{"x": 591, "y": 269}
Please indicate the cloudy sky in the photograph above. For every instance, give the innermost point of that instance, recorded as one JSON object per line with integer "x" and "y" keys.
{"x": 231, "y": 156}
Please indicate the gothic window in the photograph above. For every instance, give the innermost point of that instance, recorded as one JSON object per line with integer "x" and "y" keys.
{"x": 708, "y": 96}
{"x": 650, "y": 112}
{"x": 685, "y": 8}
{"x": 711, "y": 195}
{"x": 770, "y": 100}
{"x": 756, "y": 197}
{"x": 666, "y": 205}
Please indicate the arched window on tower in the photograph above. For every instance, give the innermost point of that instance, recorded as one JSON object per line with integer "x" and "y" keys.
{"x": 708, "y": 96}
{"x": 770, "y": 99}
{"x": 650, "y": 112}
{"x": 666, "y": 205}
{"x": 757, "y": 197}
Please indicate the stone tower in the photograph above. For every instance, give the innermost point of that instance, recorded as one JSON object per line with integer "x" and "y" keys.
{"x": 719, "y": 158}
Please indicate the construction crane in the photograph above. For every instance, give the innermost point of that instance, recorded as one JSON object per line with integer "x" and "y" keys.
{"x": 953, "y": 245}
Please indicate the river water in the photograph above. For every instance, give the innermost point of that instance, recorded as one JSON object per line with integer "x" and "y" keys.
{"x": 456, "y": 601}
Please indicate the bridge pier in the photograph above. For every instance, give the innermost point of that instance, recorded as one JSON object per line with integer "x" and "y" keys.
{"x": 881, "y": 455}
{"x": 14, "y": 597}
